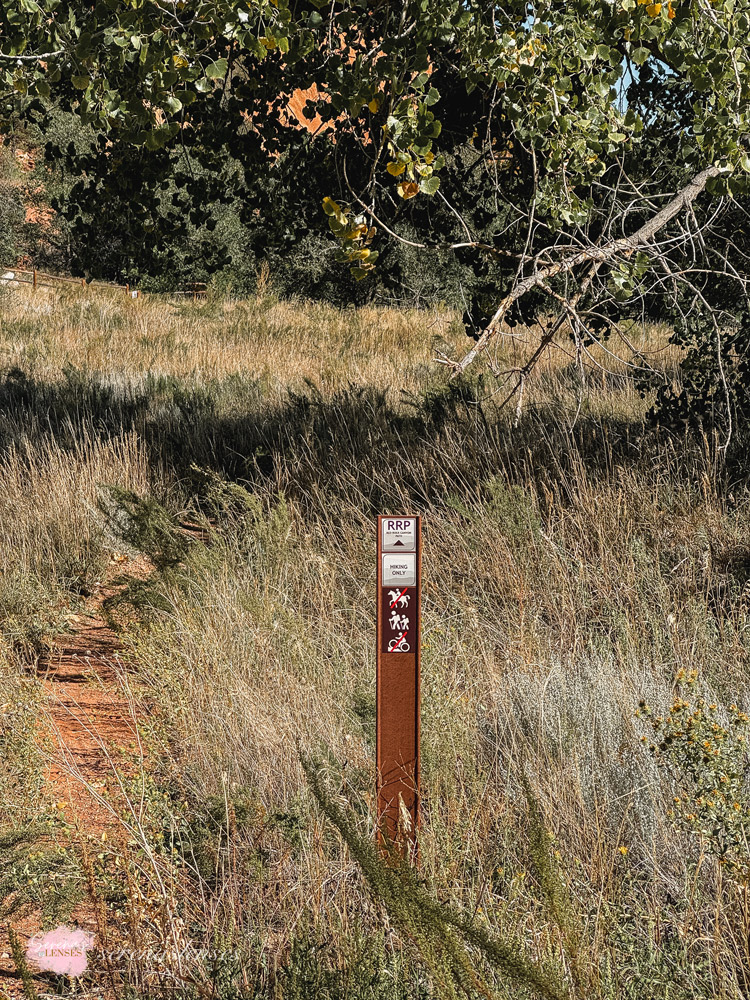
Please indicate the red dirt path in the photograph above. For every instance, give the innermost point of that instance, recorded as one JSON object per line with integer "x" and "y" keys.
{"x": 87, "y": 731}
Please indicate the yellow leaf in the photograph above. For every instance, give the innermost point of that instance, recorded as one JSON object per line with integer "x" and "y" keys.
{"x": 330, "y": 207}
{"x": 394, "y": 169}
{"x": 653, "y": 9}
{"x": 374, "y": 105}
{"x": 670, "y": 11}
{"x": 407, "y": 189}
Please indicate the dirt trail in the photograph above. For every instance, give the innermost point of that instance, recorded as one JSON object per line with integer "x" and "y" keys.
{"x": 89, "y": 728}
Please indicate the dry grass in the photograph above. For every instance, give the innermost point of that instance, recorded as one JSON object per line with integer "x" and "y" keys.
{"x": 280, "y": 343}
{"x": 574, "y": 563}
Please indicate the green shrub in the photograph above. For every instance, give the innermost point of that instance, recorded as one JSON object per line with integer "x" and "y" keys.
{"x": 708, "y": 757}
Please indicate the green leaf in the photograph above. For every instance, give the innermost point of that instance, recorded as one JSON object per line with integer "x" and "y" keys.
{"x": 217, "y": 70}
{"x": 155, "y": 140}
{"x": 432, "y": 96}
{"x": 80, "y": 82}
{"x": 429, "y": 185}
{"x": 640, "y": 55}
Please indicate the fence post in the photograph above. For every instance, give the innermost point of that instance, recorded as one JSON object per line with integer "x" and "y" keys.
{"x": 33, "y": 280}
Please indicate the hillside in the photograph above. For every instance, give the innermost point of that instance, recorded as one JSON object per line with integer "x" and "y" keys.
{"x": 200, "y": 482}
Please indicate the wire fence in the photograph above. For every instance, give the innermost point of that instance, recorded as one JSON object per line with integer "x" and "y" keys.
{"x": 42, "y": 279}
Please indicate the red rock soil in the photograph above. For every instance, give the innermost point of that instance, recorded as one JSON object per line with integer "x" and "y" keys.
{"x": 88, "y": 731}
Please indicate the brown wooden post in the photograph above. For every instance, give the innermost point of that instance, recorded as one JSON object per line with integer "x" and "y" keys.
{"x": 33, "y": 280}
{"x": 399, "y": 550}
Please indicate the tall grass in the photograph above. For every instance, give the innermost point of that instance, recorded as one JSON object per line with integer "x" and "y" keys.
{"x": 575, "y": 560}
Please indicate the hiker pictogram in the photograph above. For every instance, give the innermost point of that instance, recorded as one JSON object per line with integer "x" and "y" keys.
{"x": 398, "y": 621}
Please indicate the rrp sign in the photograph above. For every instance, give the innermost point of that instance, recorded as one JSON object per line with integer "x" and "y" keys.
{"x": 399, "y": 534}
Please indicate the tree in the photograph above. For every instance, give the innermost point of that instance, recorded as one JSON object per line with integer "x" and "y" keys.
{"x": 621, "y": 127}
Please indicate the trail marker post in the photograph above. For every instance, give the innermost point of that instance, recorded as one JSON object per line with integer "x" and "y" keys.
{"x": 398, "y": 698}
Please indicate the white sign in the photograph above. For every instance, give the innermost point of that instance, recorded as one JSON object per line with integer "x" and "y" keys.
{"x": 400, "y": 569}
{"x": 399, "y": 534}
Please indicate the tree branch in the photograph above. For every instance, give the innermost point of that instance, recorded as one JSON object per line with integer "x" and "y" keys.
{"x": 32, "y": 58}
{"x": 599, "y": 255}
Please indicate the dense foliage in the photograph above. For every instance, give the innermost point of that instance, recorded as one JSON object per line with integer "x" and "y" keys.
{"x": 572, "y": 160}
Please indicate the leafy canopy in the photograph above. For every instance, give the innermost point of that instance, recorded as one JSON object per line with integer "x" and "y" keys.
{"x": 554, "y": 70}
{"x": 584, "y": 119}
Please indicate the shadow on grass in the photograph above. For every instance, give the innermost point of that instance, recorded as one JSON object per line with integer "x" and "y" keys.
{"x": 356, "y": 443}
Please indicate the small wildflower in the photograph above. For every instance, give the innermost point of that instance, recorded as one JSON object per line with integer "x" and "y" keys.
{"x": 622, "y": 849}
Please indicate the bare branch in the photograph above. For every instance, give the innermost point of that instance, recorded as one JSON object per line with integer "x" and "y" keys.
{"x": 598, "y": 254}
{"x": 34, "y": 57}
